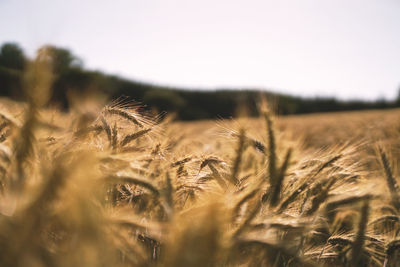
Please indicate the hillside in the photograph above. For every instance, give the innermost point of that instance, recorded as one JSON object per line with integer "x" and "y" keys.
{"x": 72, "y": 79}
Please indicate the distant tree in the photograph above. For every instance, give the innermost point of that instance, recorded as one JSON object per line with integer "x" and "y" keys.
{"x": 12, "y": 64}
{"x": 69, "y": 74}
{"x": 12, "y": 57}
{"x": 164, "y": 100}
{"x": 62, "y": 59}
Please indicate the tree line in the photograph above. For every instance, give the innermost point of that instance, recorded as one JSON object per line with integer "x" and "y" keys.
{"x": 72, "y": 78}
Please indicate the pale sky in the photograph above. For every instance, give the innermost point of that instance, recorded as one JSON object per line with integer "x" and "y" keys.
{"x": 343, "y": 48}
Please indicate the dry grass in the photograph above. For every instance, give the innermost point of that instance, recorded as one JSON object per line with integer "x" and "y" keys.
{"x": 105, "y": 186}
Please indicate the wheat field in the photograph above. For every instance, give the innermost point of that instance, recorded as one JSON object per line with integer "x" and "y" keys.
{"x": 105, "y": 185}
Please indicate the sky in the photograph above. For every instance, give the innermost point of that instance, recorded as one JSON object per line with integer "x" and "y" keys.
{"x": 349, "y": 49}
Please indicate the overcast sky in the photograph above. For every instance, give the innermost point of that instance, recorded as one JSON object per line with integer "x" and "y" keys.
{"x": 342, "y": 48}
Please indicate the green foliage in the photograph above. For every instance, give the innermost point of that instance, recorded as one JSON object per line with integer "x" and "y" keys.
{"x": 12, "y": 63}
{"x": 12, "y": 57}
{"x": 164, "y": 100}
{"x": 70, "y": 76}
{"x": 61, "y": 59}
